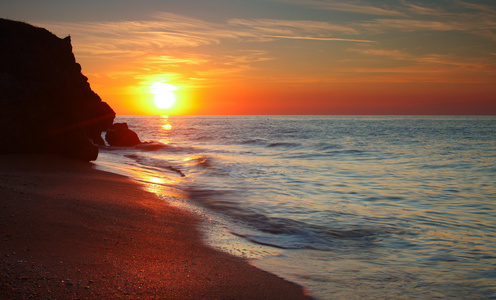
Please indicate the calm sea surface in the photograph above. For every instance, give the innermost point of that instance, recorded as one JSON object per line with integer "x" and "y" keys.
{"x": 349, "y": 207}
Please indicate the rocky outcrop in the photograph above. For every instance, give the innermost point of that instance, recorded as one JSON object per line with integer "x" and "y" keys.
{"x": 46, "y": 103}
{"x": 119, "y": 135}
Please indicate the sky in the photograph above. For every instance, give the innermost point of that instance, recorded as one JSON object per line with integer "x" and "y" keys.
{"x": 325, "y": 57}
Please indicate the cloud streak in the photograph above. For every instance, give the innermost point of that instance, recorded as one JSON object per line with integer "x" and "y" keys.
{"x": 354, "y": 6}
{"x": 318, "y": 38}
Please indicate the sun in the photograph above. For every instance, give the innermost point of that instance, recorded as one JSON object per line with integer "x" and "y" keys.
{"x": 163, "y": 94}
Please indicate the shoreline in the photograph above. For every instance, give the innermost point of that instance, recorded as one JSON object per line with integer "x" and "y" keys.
{"x": 71, "y": 231}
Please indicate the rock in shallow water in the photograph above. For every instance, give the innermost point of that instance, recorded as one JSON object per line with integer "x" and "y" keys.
{"x": 46, "y": 103}
{"x": 119, "y": 135}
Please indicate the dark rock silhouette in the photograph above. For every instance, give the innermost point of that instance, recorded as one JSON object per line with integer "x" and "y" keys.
{"x": 119, "y": 135}
{"x": 46, "y": 103}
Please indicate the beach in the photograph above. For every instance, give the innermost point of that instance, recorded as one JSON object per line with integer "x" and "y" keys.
{"x": 69, "y": 231}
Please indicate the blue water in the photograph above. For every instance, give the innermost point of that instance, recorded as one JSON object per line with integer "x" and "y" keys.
{"x": 362, "y": 207}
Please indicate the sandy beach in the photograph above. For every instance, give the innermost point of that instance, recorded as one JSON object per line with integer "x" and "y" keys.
{"x": 68, "y": 231}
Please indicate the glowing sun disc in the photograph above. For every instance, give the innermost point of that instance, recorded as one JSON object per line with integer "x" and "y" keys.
{"x": 163, "y": 95}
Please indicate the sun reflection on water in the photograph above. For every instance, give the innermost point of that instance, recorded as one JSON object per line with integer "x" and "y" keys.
{"x": 155, "y": 180}
{"x": 156, "y": 185}
{"x": 165, "y": 123}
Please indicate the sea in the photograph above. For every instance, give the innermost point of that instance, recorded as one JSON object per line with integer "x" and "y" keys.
{"x": 349, "y": 207}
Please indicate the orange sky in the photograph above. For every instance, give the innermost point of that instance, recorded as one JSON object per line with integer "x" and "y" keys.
{"x": 282, "y": 56}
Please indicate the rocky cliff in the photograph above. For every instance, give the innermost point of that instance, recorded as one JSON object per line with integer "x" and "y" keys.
{"x": 46, "y": 103}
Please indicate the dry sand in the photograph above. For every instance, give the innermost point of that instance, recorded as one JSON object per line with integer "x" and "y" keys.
{"x": 68, "y": 231}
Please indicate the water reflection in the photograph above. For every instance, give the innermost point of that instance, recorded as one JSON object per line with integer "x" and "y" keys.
{"x": 156, "y": 185}
{"x": 156, "y": 180}
{"x": 165, "y": 123}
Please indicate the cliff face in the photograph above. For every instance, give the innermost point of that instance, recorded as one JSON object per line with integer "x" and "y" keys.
{"x": 46, "y": 103}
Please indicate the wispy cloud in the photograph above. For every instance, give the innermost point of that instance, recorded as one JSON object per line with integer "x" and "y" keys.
{"x": 481, "y": 22}
{"x": 296, "y": 29}
{"x": 475, "y": 6}
{"x": 318, "y": 38}
{"x": 174, "y": 60}
{"x": 166, "y": 43}
{"x": 353, "y": 6}
{"x": 412, "y": 16}
{"x": 423, "y": 68}
{"x": 384, "y": 25}
{"x": 163, "y": 31}
{"x": 417, "y": 9}
{"x": 167, "y": 31}
{"x": 447, "y": 59}
{"x": 391, "y": 54}
{"x": 276, "y": 26}
{"x": 182, "y": 47}
{"x": 169, "y": 43}
{"x": 473, "y": 63}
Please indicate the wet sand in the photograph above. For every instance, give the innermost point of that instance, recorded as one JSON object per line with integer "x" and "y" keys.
{"x": 69, "y": 231}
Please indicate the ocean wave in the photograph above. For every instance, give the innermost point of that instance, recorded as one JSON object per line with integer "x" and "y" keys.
{"x": 253, "y": 142}
{"x": 326, "y": 146}
{"x": 284, "y": 145}
{"x": 155, "y": 164}
{"x": 146, "y": 146}
{"x": 151, "y": 146}
{"x": 282, "y": 232}
{"x": 199, "y": 160}
{"x": 290, "y": 234}
{"x": 314, "y": 155}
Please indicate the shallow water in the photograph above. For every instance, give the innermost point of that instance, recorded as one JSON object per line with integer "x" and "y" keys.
{"x": 349, "y": 207}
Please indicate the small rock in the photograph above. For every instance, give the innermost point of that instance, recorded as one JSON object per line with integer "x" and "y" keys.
{"x": 119, "y": 135}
